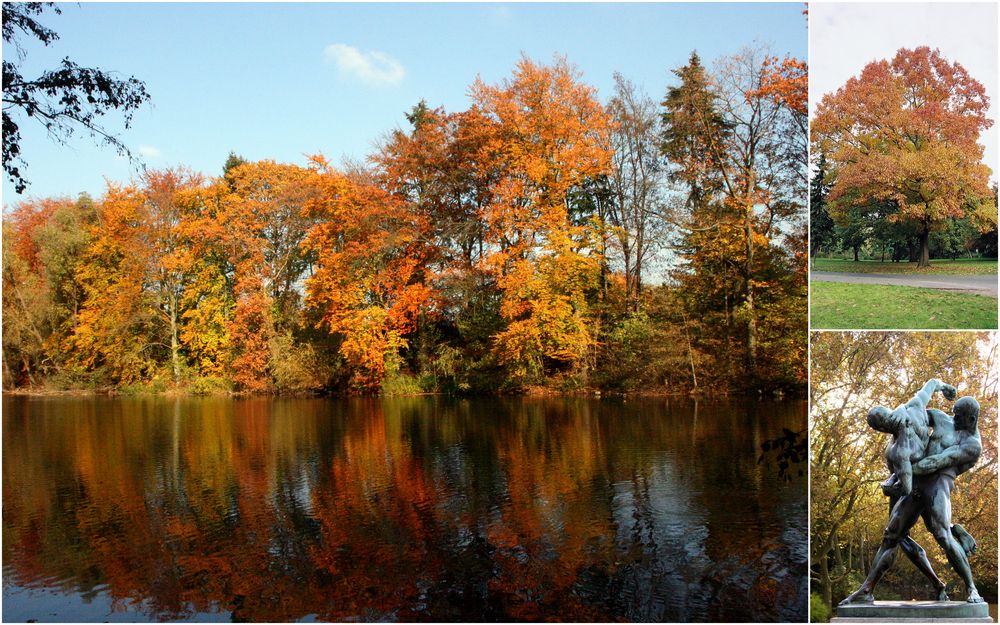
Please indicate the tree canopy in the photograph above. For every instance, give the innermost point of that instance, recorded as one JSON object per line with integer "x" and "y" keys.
{"x": 906, "y": 133}
{"x": 506, "y": 246}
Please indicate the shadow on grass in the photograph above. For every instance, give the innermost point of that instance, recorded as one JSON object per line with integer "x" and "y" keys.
{"x": 962, "y": 266}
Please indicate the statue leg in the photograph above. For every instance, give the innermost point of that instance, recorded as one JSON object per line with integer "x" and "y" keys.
{"x": 918, "y": 557}
{"x": 903, "y": 516}
{"x": 938, "y": 520}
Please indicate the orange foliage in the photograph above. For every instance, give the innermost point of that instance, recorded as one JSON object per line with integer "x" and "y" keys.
{"x": 548, "y": 135}
{"x": 907, "y": 131}
{"x": 114, "y": 325}
{"x": 371, "y": 279}
{"x": 787, "y": 82}
{"x": 258, "y": 224}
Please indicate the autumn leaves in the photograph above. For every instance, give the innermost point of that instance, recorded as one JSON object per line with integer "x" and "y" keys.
{"x": 906, "y": 132}
{"x": 497, "y": 247}
{"x": 479, "y": 194}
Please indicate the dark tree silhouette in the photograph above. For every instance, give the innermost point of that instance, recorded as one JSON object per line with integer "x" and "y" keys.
{"x": 63, "y": 99}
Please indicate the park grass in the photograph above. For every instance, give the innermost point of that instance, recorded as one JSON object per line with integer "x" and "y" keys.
{"x": 876, "y": 306}
{"x": 962, "y": 266}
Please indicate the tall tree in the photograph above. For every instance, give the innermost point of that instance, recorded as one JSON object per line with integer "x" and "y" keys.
{"x": 118, "y": 329}
{"x": 170, "y": 198}
{"x": 42, "y": 242}
{"x": 372, "y": 277}
{"x": 907, "y": 131}
{"x": 550, "y": 134}
{"x": 821, "y": 230}
{"x": 693, "y": 131}
{"x": 728, "y": 130}
{"x": 636, "y": 184}
{"x": 262, "y": 225}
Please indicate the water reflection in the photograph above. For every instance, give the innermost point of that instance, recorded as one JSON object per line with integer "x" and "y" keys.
{"x": 409, "y": 509}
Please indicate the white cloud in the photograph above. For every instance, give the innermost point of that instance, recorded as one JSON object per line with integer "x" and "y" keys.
{"x": 149, "y": 151}
{"x": 372, "y": 67}
{"x": 501, "y": 14}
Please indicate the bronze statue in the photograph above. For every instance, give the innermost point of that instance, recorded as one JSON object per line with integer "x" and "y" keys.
{"x": 928, "y": 451}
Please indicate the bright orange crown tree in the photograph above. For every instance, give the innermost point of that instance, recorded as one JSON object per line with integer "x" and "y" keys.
{"x": 370, "y": 281}
{"x": 907, "y": 131}
{"x": 549, "y": 135}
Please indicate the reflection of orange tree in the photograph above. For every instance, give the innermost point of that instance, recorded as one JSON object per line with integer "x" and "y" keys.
{"x": 233, "y": 542}
{"x": 378, "y": 523}
{"x": 172, "y": 512}
{"x": 547, "y": 536}
{"x": 123, "y": 535}
{"x": 275, "y": 510}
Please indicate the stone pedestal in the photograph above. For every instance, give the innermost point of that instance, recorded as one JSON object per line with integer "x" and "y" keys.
{"x": 913, "y": 612}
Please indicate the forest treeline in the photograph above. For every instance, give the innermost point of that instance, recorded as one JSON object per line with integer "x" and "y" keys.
{"x": 541, "y": 237}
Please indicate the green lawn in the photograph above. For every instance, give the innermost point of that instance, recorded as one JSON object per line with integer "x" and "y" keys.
{"x": 876, "y": 306}
{"x": 952, "y": 267}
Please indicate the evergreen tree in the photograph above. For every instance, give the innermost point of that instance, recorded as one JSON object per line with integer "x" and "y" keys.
{"x": 821, "y": 230}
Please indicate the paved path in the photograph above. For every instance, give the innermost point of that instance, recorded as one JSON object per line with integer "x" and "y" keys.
{"x": 981, "y": 284}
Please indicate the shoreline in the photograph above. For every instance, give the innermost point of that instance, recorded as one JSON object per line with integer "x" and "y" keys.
{"x": 530, "y": 392}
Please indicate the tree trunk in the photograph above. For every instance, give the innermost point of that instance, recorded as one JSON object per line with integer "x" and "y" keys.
{"x": 856, "y": 248}
{"x": 826, "y": 585}
{"x": 687, "y": 335}
{"x": 751, "y": 311}
{"x": 629, "y": 288}
{"x": 175, "y": 356}
{"x": 638, "y": 285}
{"x": 925, "y": 250}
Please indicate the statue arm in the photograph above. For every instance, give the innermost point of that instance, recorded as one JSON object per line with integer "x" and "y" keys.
{"x": 963, "y": 453}
{"x": 923, "y": 397}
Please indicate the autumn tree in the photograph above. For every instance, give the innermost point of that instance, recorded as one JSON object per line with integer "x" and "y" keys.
{"x": 372, "y": 278}
{"x": 549, "y": 135}
{"x": 170, "y": 198}
{"x": 42, "y": 241}
{"x": 435, "y": 167}
{"x": 907, "y": 131}
{"x": 207, "y": 301}
{"x": 728, "y": 139}
{"x": 262, "y": 225}
{"x": 117, "y": 329}
{"x": 786, "y": 82}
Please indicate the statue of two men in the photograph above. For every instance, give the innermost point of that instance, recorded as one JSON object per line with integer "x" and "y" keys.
{"x": 929, "y": 449}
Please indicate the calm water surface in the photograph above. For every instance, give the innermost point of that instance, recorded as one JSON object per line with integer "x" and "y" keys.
{"x": 399, "y": 509}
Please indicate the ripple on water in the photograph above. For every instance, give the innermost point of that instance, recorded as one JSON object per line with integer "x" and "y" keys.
{"x": 400, "y": 510}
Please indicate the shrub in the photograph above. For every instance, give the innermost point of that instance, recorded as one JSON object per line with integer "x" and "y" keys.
{"x": 818, "y": 612}
{"x": 296, "y": 367}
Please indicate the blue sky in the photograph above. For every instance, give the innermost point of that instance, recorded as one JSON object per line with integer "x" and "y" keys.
{"x": 281, "y": 81}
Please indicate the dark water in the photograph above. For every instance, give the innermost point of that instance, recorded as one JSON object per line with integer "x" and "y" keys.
{"x": 405, "y": 509}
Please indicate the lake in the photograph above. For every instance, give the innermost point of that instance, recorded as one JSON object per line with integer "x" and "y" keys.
{"x": 410, "y": 509}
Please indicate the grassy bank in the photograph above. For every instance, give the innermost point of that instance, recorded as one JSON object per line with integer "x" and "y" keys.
{"x": 964, "y": 266}
{"x": 876, "y": 306}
